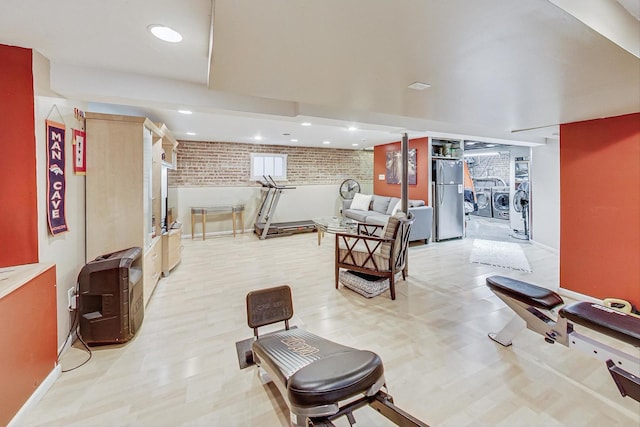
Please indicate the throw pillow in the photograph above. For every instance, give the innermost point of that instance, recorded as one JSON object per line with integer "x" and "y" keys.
{"x": 392, "y": 204}
{"x": 380, "y": 204}
{"x": 361, "y": 202}
{"x": 396, "y": 208}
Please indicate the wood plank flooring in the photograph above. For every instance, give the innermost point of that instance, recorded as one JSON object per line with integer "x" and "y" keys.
{"x": 182, "y": 370}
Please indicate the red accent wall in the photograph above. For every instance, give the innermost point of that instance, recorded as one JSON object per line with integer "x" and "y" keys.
{"x": 18, "y": 162}
{"x": 29, "y": 336}
{"x": 421, "y": 189}
{"x": 600, "y": 207}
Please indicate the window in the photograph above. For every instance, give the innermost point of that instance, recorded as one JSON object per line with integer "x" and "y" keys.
{"x": 263, "y": 164}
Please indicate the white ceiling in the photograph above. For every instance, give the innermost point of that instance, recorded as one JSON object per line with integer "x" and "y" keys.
{"x": 499, "y": 71}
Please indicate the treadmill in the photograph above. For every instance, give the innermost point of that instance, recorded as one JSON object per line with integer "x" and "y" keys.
{"x": 264, "y": 228}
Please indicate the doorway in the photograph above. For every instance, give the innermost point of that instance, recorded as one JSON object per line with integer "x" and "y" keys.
{"x": 501, "y": 186}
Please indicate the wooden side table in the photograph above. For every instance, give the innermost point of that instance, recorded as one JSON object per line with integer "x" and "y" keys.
{"x": 234, "y": 210}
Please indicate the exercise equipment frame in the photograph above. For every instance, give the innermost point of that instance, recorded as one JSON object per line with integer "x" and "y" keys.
{"x": 318, "y": 379}
{"x": 264, "y": 227}
{"x": 534, "y": 307}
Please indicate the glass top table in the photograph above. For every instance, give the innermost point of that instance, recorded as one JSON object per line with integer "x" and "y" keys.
{"x": 334, "y": 224}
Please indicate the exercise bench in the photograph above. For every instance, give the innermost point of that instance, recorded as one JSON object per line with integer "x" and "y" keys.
{"x": 536, "y": 306}
{"x": 320, "y": 380}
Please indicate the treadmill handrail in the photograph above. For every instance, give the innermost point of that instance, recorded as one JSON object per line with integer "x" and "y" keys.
{"x": 278, "y": 186}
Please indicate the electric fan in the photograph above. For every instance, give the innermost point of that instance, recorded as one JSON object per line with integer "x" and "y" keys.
{"x": 521, "y": 205}
{"x": 349, "y": 188}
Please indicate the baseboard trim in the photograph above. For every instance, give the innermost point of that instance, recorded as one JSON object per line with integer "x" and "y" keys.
{"x": 549, "y": 248}
{"x": 37, "y": 395}
{"x": 216, "y": 234}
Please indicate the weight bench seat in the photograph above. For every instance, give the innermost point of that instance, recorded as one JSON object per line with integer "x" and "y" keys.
{"x": 605, "y": 320}
{"x": 316, "y": 371}
{"x": 527, "y": 293}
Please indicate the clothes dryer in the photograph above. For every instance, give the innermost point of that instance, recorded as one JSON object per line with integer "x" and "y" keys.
{"x": 500, "y": 202}
{"x": 483, "y": 197}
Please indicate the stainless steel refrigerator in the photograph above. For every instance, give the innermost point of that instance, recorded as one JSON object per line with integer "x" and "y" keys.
{"x": 449, "y": 199}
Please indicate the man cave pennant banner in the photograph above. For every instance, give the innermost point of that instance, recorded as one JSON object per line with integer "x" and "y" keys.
{"x": 56, "y": 184}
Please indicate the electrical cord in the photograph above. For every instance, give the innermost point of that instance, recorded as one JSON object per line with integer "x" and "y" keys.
{"x": 74, "y": 326}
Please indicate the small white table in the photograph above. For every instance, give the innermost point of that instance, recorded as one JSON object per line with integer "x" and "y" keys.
{"x": 216, "y": 210}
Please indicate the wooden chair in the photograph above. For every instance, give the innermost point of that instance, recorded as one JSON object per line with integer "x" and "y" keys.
{"x": 382, "y": 256}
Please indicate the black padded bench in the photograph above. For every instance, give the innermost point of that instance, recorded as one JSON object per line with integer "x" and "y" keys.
{"x": 314, "y": 375}
{"x": 527, "y": 300}
{"x": 525, "y": 292}
{"x": 316, "y": 371}
{"x": 622, "y": 326}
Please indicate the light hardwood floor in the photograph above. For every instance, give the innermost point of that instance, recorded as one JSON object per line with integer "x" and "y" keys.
{"x": 182, "y": 370}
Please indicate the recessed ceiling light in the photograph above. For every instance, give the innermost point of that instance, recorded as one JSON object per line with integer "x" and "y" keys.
{"x": 305, "y": 124}
{"x": 469, "y": 143}
{"x": 185, "y": 111}
{"x": 257, "y": 138}
{"x": 355, "y": 144}
{"x": 294, "y": 140}
{"x": 326, "y": 142}
{"x": 191, "y": 133}
{"x": 490, "y": 145}
{"x": 165, "y": 33}
{"x": 352, "y": 128}
{"x": 419, "y": 86}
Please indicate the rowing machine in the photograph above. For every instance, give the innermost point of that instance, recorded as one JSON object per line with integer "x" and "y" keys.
{"x": 536, "y": 306}
{"x": 320, "y": 380}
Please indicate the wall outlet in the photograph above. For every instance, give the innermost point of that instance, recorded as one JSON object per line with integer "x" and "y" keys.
{"x": 71, "y": 296}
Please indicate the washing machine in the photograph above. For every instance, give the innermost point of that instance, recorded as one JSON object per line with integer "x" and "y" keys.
{"x": 483, "y": 197}
{"x": 500, "y": 202}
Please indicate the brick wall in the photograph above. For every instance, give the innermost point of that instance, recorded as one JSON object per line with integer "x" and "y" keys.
{"x": 493, "y": 166}
{"x": 224, "y": 164}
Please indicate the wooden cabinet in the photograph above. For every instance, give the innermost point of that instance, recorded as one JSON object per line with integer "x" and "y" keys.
{"x": 171, "y": 250}
{"x": 152, "y": 268}
{"x": 123, "y": 189}
{"x": 169, "y": 148}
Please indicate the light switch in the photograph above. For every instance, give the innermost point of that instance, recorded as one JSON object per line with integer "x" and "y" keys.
{"x": 381, "y": 177}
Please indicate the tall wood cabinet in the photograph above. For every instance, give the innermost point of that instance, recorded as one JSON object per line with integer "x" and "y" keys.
{"x": 123, "y": 189}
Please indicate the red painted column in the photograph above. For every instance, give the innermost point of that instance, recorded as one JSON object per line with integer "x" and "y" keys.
{"x": 18, "y": 210}
{"x": 600, "y": 207}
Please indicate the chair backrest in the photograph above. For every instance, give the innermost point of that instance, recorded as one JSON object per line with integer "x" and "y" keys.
{"x": 397, "y": 229}
{"x": 267, "y": 306}
{"x": 390, "y": 231}
{"x": 401, "y": 245}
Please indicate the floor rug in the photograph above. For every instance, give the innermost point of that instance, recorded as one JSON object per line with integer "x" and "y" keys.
{"x": 499, "y": 254}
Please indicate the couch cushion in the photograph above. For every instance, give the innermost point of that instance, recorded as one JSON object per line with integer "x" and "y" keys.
{"x": 361, "y": 202}
{"x": 392, "y": 204}
{"x": 358, "y": 215}
{"x": 376, "y": 218}
{"x": 380, "y": 204}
